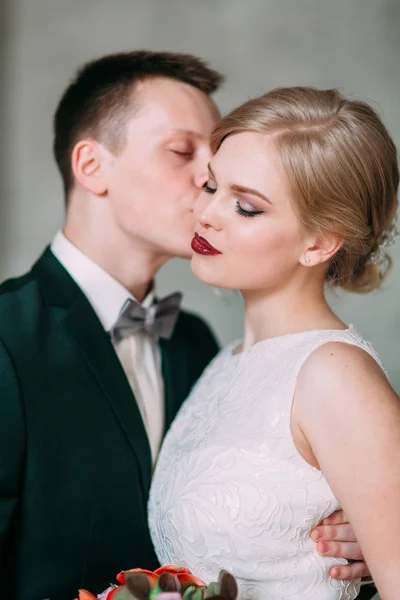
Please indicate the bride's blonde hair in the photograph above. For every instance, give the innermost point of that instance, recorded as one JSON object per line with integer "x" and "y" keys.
{"x": 342, "y": 169}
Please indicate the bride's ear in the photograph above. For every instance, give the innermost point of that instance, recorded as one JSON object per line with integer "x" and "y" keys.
{"x": 321, "y": 250}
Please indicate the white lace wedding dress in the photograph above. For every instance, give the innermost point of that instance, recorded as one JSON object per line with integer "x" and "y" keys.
{"x": 230, "y": 490}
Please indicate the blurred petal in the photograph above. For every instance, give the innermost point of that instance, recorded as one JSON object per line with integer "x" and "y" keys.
{"x": 152, "y": 576}
{"x": 85, "y": 595}
{"x": 184, "y": 576}
{"x": 171, "y": 569}
{"x": 104, "y": 595}
{"x": 187, "y": 578}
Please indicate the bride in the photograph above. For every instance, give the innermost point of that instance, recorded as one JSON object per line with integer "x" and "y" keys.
{"x": 299, "y": 418}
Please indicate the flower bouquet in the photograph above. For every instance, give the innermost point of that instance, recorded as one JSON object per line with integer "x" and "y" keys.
{"x": 166, "y": 583}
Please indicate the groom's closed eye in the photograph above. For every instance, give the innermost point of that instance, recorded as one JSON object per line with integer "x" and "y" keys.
{"x": 182, "y": 153}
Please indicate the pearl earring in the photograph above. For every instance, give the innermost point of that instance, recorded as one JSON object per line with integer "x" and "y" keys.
{"x": 307, "y": 259}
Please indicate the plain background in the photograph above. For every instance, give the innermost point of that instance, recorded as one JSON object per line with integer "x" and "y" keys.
{"x": 259, "y": 44}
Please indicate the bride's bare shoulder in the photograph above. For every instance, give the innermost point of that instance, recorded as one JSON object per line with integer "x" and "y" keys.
{"x": 341, "y": 371}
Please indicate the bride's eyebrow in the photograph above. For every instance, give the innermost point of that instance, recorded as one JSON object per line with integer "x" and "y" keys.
{"x": 242, "y": 188}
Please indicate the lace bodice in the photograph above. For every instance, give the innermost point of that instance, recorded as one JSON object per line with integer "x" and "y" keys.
{"x": 230, "y": 489}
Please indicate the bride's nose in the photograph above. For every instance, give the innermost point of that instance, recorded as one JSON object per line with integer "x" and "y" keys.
{"x": 207, "y": 212}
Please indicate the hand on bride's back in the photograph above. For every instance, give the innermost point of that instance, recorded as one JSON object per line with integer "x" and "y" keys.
{"x": 335, "y": 537}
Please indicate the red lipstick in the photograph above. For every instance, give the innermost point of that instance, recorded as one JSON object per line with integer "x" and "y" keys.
{"x": 201, "y": 246}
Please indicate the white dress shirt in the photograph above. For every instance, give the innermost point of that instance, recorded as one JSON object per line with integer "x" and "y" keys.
{"x": 138, "y": 353}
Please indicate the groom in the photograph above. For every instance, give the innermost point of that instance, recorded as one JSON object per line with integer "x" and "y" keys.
{"x": 93, "y": 367}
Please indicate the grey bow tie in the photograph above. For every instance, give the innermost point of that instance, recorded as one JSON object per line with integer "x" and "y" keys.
{"x": 158, "y": 319}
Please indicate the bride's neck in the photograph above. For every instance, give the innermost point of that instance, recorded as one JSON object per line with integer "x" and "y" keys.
{"x": 276, "y": 313}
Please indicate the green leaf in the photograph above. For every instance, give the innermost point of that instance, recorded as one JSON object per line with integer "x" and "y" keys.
{"x": 194, "y": 593}
{"x": 212, "y": 590}
{"x": 123, "y": 593}
{"x": 189, "y": 593}
{"x": 155, "y": 591}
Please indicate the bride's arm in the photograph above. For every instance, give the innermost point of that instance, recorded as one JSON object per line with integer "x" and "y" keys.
{"x": 350, "y": 417}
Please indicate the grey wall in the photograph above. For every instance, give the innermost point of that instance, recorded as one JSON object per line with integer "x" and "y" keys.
{"x": 350, "y": 44}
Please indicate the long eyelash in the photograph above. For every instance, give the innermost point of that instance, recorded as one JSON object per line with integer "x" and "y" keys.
{"x": 247, "y": 213}
{"x": 208, "y": 189}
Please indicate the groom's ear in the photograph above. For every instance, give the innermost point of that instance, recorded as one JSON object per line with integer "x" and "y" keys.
{"x": 88, "y": 166}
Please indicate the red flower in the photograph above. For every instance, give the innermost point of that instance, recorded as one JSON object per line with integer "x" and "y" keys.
{"x": 111, "y": 594}
{"x": 184, "y": 577}
{"x": 152, "y": 576}
{"x": 85, "y": 595}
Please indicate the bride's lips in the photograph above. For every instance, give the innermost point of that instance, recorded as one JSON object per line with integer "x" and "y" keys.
{"x": 201, "y": 246}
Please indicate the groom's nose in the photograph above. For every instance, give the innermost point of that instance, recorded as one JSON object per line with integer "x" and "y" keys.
{"x": 201, "y": 169}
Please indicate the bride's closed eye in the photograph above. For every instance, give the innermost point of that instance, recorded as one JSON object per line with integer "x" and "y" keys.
{"x": 208, "y": 189}
{"x": 247, "y": 212}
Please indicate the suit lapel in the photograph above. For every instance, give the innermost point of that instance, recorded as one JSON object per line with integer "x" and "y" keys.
{"x": 79, "y": 320}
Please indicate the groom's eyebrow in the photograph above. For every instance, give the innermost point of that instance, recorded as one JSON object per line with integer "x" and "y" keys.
{"x": 190, "y": 132}
{"x": 242, "y": 189}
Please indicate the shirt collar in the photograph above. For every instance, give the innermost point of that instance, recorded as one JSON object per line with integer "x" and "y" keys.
{"x": 106, "y": 295}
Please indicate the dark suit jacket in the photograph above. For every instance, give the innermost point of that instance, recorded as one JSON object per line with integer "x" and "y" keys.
{"x": 366, "y": 592}
{"x": 75, "y": 463}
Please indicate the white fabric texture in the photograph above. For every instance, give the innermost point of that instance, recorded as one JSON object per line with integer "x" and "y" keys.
{"x": 139, "y": 353}
{"x": 231, "y": 491}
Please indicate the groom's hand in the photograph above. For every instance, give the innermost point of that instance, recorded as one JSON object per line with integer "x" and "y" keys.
{"x": 335, "y": 537}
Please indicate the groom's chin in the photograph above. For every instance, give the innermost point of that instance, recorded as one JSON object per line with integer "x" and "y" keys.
{"x": 184, "y": 253}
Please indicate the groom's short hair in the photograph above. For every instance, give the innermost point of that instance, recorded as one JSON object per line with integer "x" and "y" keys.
{"x": 97, "y": 101}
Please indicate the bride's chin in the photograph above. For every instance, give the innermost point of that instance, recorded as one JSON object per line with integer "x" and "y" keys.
{"x": 204, "y": 271}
